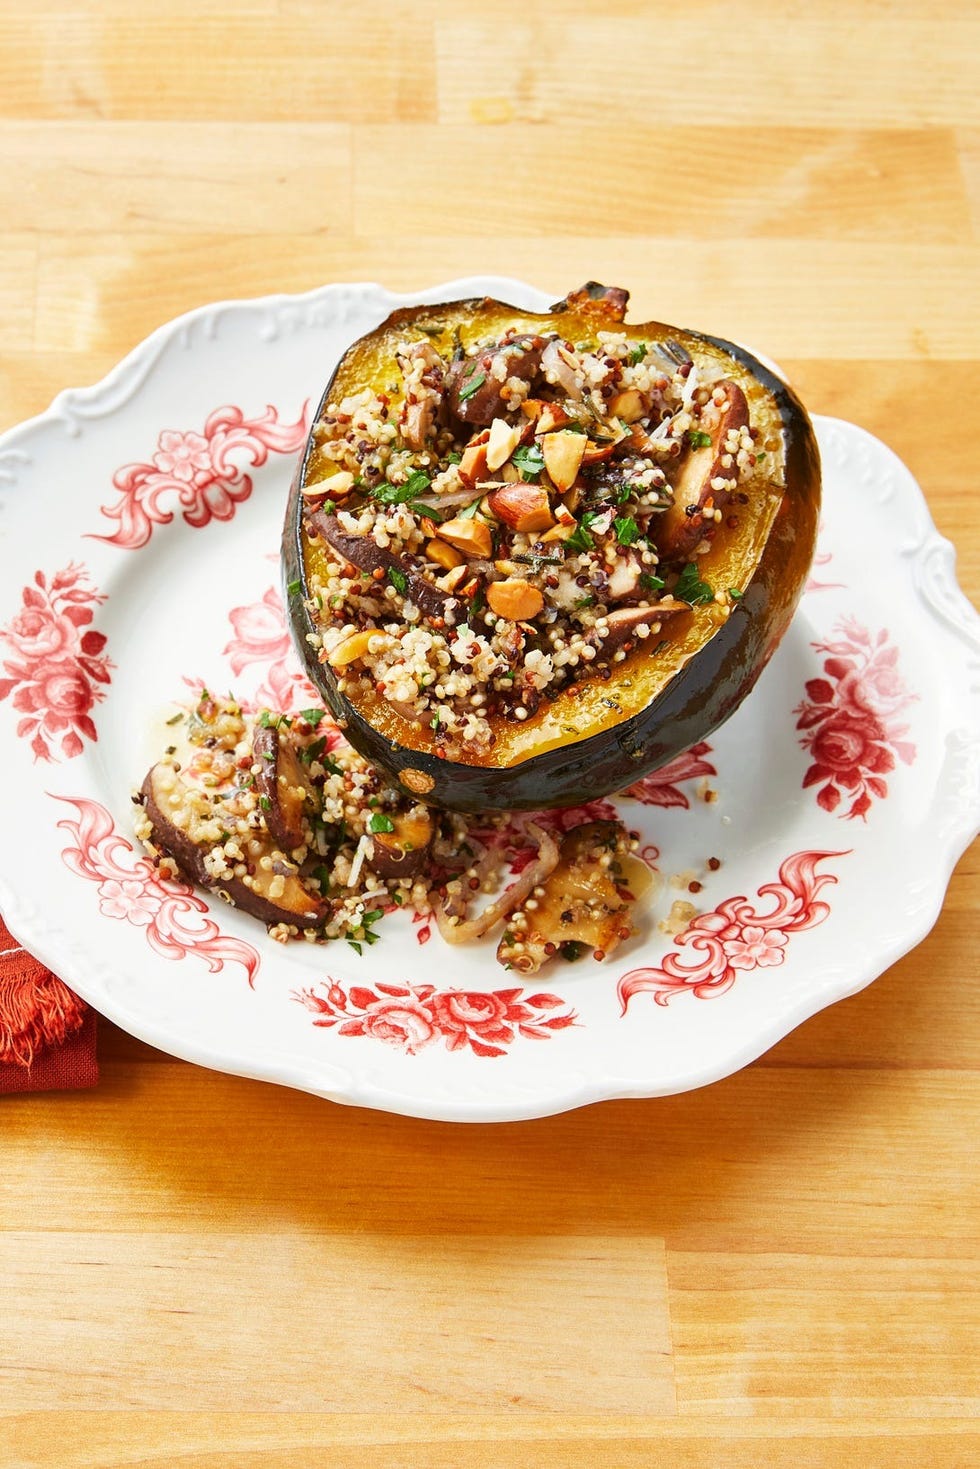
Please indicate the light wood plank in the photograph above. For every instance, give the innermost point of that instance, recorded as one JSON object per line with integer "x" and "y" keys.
{"x": 562, "y": 177}
{"x": 101, "y": 293}
{"x": 804, "y": 1333}
{"x": 776, "y": 64}
{"x": 283, "y": 1440}
{"x": 18, "y": 289}
{"x": 358, "y": 62}
{"x": 239, "y": 178}
{"x": 229, "y": 1155}
{"x": 508, "y": 1323}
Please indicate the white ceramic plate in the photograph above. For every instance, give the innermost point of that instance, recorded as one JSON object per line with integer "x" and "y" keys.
{"x": 139, "y": 528}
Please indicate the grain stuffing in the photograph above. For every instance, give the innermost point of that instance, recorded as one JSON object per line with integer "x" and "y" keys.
{"x": 504, "y": 519}
{"x": 278, "y": 815}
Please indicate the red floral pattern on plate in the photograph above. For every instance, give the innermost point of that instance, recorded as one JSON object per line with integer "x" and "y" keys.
{"x": 735, "y": 937}
{"x": 411, "y": 1017}
{"x": 850, "y": 719}
{"x": 57, "y": 666}
{"x": 203, "y": 473}
{"x": 261, "y": 636}
{"x": 131, "y": 890}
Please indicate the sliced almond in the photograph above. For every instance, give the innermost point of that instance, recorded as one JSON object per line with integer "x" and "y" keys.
{"x": 337, "y": 486}
{"x": 524, "y": 507}
{"x": 443, "y": 554}
{"x": 504, "y": 439}
{"x": 627, "y": 405}
{"x": 563, "y": 452}
{"x": 354, "y": 647}
{"x": 471, "y": 536}
{"x": 515, "y": 600}
{"x": 558, "y": 533}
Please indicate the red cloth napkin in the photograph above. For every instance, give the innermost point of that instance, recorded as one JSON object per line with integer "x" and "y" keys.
{"x": 47, "y": 1034}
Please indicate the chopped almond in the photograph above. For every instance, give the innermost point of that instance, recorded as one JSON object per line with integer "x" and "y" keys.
{"x": 454, "y": 579}
{"x": 595, "y": 452}
{"x": 504, "y": 439}
{"x": 627, "y": 405}
{"x": 515, "y": 599}
{"x": 552, "y": 416}
{"x": 563, "y": 453}
{"x": 473, "y": 465}
{"x": 471, "y": 536}
{"x": 524, "y": 507}
{"x": 443, "y": 554}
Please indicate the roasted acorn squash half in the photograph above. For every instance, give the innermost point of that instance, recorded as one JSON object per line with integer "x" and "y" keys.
{"x": 529, "y": 557}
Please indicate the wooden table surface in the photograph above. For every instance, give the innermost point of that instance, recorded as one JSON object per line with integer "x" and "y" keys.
{"x": 198, "y": 1270}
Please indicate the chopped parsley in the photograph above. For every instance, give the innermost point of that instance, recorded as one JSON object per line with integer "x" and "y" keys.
{"x": 627, "y": 530}
{"x": 638, "y": 353}
{"x": 379, "y": 822}
{"x": 580, "y": 539}
{"x": 454, "y": 458}
{"x": 294, "y": 588}
{"x": 313, "y": 717}
{"x": 268, "y": 720}
{"x": 529, "y": 459}
{"x": 699, "y": 439}
{"x": 473, "y": 386}
{"x": 651, "y": 582}
{"x": 735, "y": 594}
{"x": 265, "y": 803}
{"x": 313, "y": 751}
{"x": 398, "y": 579}
{"x": 690, "y": 588}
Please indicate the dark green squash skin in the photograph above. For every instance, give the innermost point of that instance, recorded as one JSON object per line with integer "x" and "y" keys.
{"x": 698, "y": 698}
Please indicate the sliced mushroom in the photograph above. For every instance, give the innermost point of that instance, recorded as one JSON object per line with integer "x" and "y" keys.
{"x": 367, "y": 556}
{"x": 624, "y": 621}
{"x": 282, "y": 786}
{"x": 584, "y": 904}
{"x": 271, "y": 895}
{"x": 402, "y": 852}
{"x": 474, "y": 390}
{"x": 685, "y": 523}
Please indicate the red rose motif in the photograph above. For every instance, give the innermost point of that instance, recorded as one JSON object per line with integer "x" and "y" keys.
{"x": 36, "y": 632}
{"x": 848, "y": 719}
{"x": 260, "y": 633}
{"x": 848, "y": 748}
{"x": 410, "y": 1017}
{"x": 403, "y": 1023}
{"x": 57, "y": 664}
{"x": 878, "y": 690}
{"x": 60, "y": 688}
{"x": 472, "y": 1014}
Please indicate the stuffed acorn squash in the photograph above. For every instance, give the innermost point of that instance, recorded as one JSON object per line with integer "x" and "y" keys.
{"x": 531, "y": 557}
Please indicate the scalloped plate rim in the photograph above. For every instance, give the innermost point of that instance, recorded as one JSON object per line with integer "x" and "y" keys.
{"x": 289, "y": 1070}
